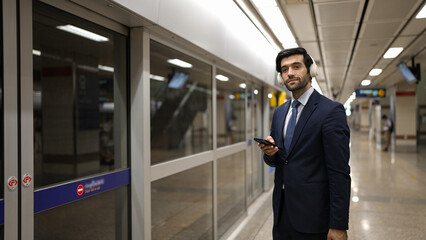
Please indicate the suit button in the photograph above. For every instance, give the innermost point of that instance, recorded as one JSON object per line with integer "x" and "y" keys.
{"x": 286, "y": 162}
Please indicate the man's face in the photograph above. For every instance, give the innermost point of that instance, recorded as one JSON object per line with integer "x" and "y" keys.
{"x": 295, "y": 73}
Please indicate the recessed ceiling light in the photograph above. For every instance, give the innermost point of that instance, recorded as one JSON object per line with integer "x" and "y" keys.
{"x": 365, "y": 82}
{"x": 156, "y": 77}
{"x": 393, "y": 52}
{"x": 242, "y": 85}
{"x": 106, "y": 68}
{"x": 82, "y": 33}
{"x": 36, "y": 52}
{"x": 375, "y": 72}
{"x": 222, "y": 78}
{"x": 179, "y": 63}
{"x": 422, "y": 13}
{"x": 256, "y": 22}
{"x": 274, "y": 18}
{"x": 264, "y": 3}
{"x": 256, "y": 91}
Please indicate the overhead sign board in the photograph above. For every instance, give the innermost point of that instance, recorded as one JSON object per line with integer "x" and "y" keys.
{"x": 370, "y": 92}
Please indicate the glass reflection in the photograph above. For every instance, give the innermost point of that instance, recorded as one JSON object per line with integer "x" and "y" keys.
{"x": 181, "y": 104}
{"x": 79, "y": 98}
{"x": 103, "y": 216}
{"x": 182, "y": 206}
{"x": 231, "y": 190}
{"x": 230, "y": 109}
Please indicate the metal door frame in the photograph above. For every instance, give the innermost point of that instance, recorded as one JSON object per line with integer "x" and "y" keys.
{"x": 10, "y": 115}
{"x": 20, "y": 204}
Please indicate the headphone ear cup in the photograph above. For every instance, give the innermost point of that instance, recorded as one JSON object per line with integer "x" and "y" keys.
{"x": 313, "y": 70}
{"x": 280, "y": 79}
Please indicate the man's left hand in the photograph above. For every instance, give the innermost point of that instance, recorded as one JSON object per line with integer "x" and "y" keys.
{"x": 337, "y": 234}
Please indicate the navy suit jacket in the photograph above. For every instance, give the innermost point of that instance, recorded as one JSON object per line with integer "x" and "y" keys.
{"x": 315, "y": 170}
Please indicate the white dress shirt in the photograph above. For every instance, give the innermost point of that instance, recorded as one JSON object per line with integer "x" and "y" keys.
{"x": 303, "y": 101}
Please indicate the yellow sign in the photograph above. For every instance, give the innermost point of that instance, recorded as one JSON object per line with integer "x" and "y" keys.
{"x": 281, "y": 98}
{"x": 273, "y": 100}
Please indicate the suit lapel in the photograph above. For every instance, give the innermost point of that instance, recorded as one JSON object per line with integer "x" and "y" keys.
{"x": 310, "y": 107}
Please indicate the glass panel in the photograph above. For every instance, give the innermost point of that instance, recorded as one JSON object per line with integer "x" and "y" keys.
{"x": 79, "y": 97}
{"x": 231, "y": 190}
{"x": 230, "y": 109}
{"x": 182, "y": 206}
{"x": 421, "y": 109}
{"x": 103, "y": 216}
{"x": 181, "y": 104}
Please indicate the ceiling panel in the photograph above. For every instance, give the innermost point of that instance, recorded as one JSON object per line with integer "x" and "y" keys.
{"x": 336, "y": 83}
{"x": 383, "y": 63}
{"x": 337, "y": 12}
{"x": 335, "y": 72}
{"x": 403, "y": 41}
{"x": 302, "y": 30}
{"x": 413, "y": 49}
{"x": 356, "y": 78}
{"x": 380, "y": 30}
{"x": 415, "y": 27}
{"x": 336, "y": 58}
{"x": 371, "y": 47}
{"x": 312, "y": 49}
{"x": 347, "y": 32}
{"x": 336, "y": 46}
{"x": 358, "y": 71}
{"x": 390, "y": 9}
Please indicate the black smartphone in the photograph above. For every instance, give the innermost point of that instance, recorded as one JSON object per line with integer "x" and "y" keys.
{"x": 264, "y": 141}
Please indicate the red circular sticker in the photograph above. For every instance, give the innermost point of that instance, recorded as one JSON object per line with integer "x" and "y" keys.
{"x": 80, "y": 190}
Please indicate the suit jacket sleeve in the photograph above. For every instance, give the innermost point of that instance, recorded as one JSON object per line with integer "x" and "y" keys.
{"x": 270, "y": 160}
{"x": 336, "y": 135}
{"x": 273, "y": 160}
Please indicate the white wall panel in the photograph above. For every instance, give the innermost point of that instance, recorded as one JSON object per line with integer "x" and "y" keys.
{"x": 146, "y": 8}
{"x": 219, "y": 27}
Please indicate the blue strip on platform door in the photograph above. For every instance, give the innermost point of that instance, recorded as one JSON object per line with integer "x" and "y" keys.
{"x": 55, "y": 196}
{"x": 1, "y": 212}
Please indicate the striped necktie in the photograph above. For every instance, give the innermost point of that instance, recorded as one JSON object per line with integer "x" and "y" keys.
{"x": 291, "y": 125}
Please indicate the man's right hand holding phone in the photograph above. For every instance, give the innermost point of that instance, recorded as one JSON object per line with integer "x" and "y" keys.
{"x": 269, "y": 149}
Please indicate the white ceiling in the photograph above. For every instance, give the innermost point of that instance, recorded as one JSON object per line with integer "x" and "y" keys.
{"x": 349, "y": 37}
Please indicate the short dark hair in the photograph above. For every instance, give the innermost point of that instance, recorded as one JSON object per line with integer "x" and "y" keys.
{"x": 384, "y": 116}
{"x": 307, "y": 60}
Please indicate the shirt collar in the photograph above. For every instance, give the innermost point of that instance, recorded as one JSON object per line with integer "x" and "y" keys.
{"x": 305, "y": 96}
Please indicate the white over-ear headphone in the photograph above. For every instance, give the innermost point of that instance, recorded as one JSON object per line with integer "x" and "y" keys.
{"x": 313, "y": 71}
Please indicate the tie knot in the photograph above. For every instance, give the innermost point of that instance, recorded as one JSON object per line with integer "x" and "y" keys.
{"x": 295, "y": 104}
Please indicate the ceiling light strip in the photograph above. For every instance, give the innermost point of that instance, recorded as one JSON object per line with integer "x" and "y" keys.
{"x": 82, "y": 33}
{"x": 257, "y": 24}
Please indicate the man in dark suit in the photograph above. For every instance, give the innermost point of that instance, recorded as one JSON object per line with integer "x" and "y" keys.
{"x": 311, "y": 157}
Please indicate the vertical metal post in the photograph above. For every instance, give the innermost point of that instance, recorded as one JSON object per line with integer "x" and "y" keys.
{"x": 266, "y": 111}
{"x": 26, "y": 119}
{"x": 140, "y": 134}
{"x": 10, "y": 110}
{"x": 214, "y": 133}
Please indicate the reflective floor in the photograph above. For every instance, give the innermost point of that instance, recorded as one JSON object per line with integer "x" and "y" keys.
{"x": 388, "y": 196}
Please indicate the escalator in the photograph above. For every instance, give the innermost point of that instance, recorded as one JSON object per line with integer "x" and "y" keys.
{"x": 174, "y": 114}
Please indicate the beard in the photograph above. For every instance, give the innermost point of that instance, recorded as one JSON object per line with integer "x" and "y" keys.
{"x": 299, "y": 84}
